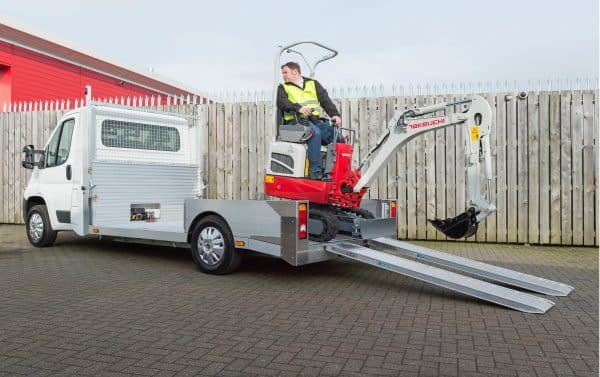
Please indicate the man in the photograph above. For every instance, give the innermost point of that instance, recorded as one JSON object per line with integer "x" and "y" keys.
{"x": 302, "y": 99}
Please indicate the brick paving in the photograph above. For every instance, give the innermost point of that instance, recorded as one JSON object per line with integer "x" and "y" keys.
{"x": 87, "y": 308}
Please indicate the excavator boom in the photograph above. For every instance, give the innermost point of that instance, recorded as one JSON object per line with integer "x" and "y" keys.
{"x": 409, "y": 124}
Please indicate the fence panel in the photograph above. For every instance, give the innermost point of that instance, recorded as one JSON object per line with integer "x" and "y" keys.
{"x": 501, "y": 153}
{"x": 430, "y": 183}
{"x": 511, "y": 168}
{"x": 362, "y": 134}
{"x": 219, "y": 159}
{"x": 228, "y": 156}
{"x": 212, "y": 148}
{"x": 522, "y": 170}
{"x": 354, "y": 120}
{"x": 491, "y": 220}
{"x": 3, "y": 160}
{"x": 566, "y": 208}
{"x": 555, "y": 210}
{"x": 544, "y": 179}
{"x": 401, "y": 181}
{"x": 371, "y": 128}
{"x": 252, "y": 152}
{"x": 590, "y": 126}
{"x": 440, "y": 156}
{"x": 244, "y": 127}
{"x": 420, "y": 160}
{"x": 450, "y": 169}
{"x": 461, "y": 162}
{"x": 411, "y": 181}
{"x": 595, "y": 128}
{"x": 15, "y": 184}
{"x": 391, "y": 181}
{"x": 262, "y": 147}
{"x": 577, "y": 166}
{"x": 533, "y": 145}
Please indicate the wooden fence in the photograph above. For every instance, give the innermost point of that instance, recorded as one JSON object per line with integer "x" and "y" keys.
{"x": 545, "y": 148}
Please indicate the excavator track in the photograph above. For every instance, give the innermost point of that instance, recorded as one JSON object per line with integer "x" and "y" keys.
{"x": 333, "y": 219}
{"x": 326, "y": 215}
{"x": 363, "y": 213}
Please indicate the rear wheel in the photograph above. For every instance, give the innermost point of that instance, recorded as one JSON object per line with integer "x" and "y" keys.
{"x": 39, "y": 230}
{"x": 213, "y": 249}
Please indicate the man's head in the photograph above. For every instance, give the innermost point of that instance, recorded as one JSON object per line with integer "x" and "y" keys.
{"x": 291, "y": 72}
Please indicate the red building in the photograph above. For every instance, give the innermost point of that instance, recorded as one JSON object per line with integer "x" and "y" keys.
{"x": 34, "y": 67}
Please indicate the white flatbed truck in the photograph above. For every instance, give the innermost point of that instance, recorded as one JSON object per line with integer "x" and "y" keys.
{"x": 135, "y": 175}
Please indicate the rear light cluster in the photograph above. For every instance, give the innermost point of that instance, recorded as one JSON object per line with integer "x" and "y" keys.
{"x": 393, "y": 209}
{"x": 302, "y": 221}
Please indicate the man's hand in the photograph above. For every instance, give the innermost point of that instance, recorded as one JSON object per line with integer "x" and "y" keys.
{"x": 305, "y": 110}
{"x": 336, "y": 119}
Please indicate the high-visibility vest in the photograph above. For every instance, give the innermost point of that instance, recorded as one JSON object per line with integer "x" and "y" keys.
{"x": 305, "y": 97}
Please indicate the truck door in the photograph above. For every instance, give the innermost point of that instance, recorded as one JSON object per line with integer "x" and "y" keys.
{"x": 56, "y": 179}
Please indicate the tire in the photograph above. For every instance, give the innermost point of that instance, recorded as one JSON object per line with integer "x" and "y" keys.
{"x": 38, "y": 228}
{"x": 213, "y": 249}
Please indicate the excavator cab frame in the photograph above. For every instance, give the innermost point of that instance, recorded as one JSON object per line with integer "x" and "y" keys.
{"x": 295, "y": 133}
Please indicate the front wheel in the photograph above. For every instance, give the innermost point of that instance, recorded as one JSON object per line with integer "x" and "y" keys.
{"x": 213, "y": 249}
{"x": 39, "y": 230}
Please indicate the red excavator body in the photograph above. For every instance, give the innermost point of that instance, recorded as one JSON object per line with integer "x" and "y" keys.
{"x": 337, "y": 191}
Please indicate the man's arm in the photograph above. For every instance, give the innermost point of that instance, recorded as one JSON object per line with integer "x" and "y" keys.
{"x": 327, "y": 104}
{"x": 283, "y": 103}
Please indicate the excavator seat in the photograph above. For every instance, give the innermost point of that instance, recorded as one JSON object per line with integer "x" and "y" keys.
{"x": 293, "y": 133}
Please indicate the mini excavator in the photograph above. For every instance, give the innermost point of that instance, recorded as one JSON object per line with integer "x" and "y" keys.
{"x": 335, "y": 199}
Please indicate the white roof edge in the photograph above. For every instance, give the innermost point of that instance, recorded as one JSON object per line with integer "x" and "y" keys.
{"x": 120, "y": 109}
{"x": 18, "y": 25}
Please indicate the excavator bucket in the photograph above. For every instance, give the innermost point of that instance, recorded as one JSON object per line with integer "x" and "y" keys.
{"x": 461, "y": 226}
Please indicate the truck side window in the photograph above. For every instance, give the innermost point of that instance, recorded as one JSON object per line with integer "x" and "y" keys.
{"x": 131, "y": 135}
{"x": 60, "y": 145}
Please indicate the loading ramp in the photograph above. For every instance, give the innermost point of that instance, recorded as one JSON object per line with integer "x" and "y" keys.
{"x": 484, "y": 270}
{"x": 454, "y": 281}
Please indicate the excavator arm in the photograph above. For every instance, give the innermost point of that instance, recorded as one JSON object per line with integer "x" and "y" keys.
{"x": 406, "y": 125}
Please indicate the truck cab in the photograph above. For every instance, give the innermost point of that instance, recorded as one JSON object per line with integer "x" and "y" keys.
{"x": 131, "y": 153}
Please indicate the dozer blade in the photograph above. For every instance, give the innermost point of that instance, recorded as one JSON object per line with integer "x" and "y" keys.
{"x": 461, "y": 226}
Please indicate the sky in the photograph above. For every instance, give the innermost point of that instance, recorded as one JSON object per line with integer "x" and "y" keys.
{"x": 229, "y": 45}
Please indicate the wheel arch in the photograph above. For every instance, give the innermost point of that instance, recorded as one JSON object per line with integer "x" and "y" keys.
{"x": 201, "y": 216}
{"x": 30, "y": 202}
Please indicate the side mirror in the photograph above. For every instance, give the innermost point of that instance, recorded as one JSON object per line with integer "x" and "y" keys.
{"x": 42, "y": 160}
{"x": 28, "y": 162}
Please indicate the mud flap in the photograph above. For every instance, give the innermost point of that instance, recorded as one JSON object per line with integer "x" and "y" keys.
{"x": 461, "y": 226}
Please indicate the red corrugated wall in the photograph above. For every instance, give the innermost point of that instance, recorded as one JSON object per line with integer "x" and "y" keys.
{"x": 35, "y": 76}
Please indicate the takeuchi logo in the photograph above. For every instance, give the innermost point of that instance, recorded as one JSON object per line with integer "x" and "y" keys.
{"x": 428, "y": 123}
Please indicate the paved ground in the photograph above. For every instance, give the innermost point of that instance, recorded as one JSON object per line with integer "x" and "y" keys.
{"x": 87, "y": 307}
